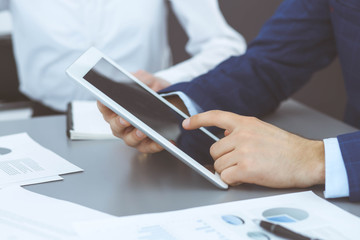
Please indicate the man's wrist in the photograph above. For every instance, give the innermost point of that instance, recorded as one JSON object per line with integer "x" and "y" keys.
{"x": 318, "y": 167}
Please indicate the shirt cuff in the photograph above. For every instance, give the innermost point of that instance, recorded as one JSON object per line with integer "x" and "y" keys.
{"x": 191, "y": 106}
{"x": 336, "y": 180}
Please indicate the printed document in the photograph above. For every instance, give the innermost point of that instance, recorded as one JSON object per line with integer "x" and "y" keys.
{"x": 31, "y": 216}
{"x": 23, "y": 161}
{"x": 303, "y": 212}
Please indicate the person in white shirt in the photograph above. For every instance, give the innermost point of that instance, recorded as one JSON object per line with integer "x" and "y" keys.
{"x": 49, "y": 35}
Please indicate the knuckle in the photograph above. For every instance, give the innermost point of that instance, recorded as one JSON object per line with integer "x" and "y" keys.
{"x": 244, "y": 165}
{"x": 115, "y": 133}
{"x": 142, "y": 149}
{"x": 113, "y": 123}
{"x": 217, "y": 167}
{"x": 194, "y": 118}
{"x": 130, "y": 140}
{"x": 206, "y": 115}
{"x": 227, "y": 178}
{"x": 106, "y": 117}
{"x": 213, "y": 149}
{"x": 130, "y": 143}
{"x": 158, "y": 147}
{"x": 148, "y": 146}
{"x": 155, "y": 147}
{"x": 252, "y": 120}
{"x": 235, "y": 183}
{"x": 143, "y": 146}
{"x": 216, "y": 113}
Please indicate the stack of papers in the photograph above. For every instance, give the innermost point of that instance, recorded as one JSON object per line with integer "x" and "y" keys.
{"x": 23, "y": 162}
{"x": 85, "y": 122}
{"x": 304, "y": 213}
{"x": 30, "y": 216}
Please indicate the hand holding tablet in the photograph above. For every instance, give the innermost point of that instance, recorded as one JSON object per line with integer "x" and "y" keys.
{"x": 147, "y": 111}
{"x": 133, "y": 137}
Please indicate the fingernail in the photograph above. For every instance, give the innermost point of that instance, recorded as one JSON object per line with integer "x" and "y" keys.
{"x": 122, "y": 121}
{"x": 186, "y": 122}
{"x": 139, "y": 133}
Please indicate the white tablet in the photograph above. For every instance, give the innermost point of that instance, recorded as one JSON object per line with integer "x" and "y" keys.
{"x": 145, "y": 110}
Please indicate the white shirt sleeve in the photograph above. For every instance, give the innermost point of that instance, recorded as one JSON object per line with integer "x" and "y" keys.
{"x": 4, "y": 5}
{"x": 336, "y": 180}
{"x": 211, "y": 39}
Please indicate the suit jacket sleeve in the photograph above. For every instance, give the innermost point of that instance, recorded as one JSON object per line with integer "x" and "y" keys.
{"x": 350, "y": 150}
{"x": 297, "y": 41}
{"x": 294, "y": 43}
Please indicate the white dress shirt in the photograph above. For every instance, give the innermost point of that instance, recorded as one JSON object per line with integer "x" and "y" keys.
{"x": 49, "y": 35}
{"x": 336, "y": 179}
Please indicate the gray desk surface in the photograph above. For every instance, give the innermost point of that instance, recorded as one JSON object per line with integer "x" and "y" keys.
{"x": 120, "y": 181}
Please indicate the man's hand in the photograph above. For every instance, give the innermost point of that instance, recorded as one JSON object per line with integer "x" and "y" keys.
{"x": 150, "y": 80}
{"x": 253, "y": 151}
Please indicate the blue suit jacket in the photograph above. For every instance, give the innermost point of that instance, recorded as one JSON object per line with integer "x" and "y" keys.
{"x": 301, "y": 38}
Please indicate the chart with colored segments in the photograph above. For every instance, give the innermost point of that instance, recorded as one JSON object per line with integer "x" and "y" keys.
{"x": 304, "y": 213}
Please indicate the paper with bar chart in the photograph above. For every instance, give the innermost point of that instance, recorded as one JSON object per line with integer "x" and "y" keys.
{"x": 303, "y": 212}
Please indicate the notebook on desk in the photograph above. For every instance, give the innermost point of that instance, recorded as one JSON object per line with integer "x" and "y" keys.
{"x": 15, "y": 110}
{"x": 85, "y": 122}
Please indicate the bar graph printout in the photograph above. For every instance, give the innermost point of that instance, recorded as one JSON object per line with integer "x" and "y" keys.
{"x": 303, "y": 212}
{"x": 23, "y": 161}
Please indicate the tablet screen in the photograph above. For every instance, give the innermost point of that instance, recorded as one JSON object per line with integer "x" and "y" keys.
{"x": 151, "y": 111}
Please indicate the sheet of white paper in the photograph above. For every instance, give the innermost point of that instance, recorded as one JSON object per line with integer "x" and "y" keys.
{"x": 35, "y": 181}
{"x": 88, "y": 123}
{"x": 303, "y": 212}
{"x": 31, "y": 216}
{"x": 22, "y": 160}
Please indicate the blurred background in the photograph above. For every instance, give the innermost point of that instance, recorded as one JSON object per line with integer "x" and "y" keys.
{"x": 325, "y": 92}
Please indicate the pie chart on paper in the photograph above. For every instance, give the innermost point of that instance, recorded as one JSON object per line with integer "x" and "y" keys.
{"x": 285, "y": 215}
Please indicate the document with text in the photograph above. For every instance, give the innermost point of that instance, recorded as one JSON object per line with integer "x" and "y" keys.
{"x": 304, "y": 213}
{"x": 23, "y": 161}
